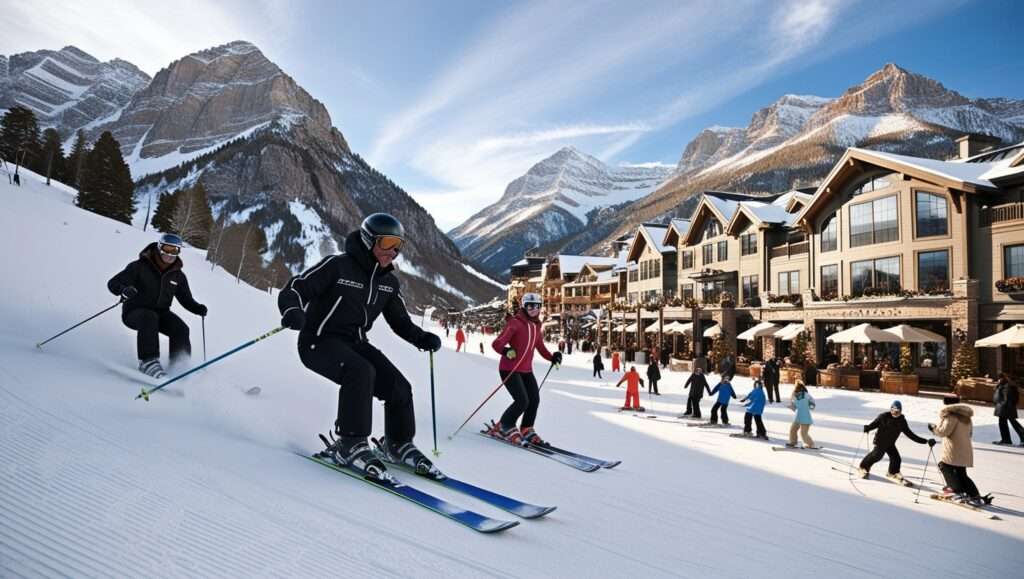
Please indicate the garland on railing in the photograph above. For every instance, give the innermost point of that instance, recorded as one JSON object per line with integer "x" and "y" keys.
{"x": 1010, "y": 285}
{"x": 794, "y": 299}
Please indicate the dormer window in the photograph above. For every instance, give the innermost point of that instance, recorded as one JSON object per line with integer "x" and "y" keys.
{"x": 712, "y": 229}
{"x": 874, "y": 184}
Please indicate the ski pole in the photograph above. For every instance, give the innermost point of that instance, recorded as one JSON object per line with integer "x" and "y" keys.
{"x": 545, "y": 377}
{"x": 489, "y": 396}
{"x": 145, "y": 393}
{"x": 40, "y": 344}
{"x": 931, "y": 454}
{"x": 204, "y": 338}
{"x": 856, "y": 454}
{"x": 433, "y": 407}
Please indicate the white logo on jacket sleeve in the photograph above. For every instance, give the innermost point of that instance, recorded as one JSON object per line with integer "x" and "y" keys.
{"x": 350, "y": 283}
{"x": 385, "y": 288}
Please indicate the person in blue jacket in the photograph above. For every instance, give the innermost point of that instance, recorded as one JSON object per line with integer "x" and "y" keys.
{"x": 725, "y": 392}
{"x": 802, "y": 403}
{"x": 755, "y": 408}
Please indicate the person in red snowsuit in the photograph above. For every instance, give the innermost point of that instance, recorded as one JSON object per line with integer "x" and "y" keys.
{"x": 633, "y": 383}
{"x": 616, "y": 367}
{"x": 516, "y": 344}
{"x": 460, "y": 339}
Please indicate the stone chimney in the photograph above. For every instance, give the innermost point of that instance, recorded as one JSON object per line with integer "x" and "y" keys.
{"x": 972, "y": 144}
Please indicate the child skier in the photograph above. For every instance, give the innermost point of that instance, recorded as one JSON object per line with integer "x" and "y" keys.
{"x": 802, "y": 403}
{"x": 698, "y": 385}
{"x": 725, "y": 392}
{"x": 755, "y": 408}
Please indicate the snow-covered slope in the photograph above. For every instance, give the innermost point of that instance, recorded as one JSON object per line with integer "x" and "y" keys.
{"x": 555, "y": 198}
{"x": 94, "y": 483}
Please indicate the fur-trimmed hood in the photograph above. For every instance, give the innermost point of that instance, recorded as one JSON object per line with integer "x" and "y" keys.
{"x": 961, "y": 412}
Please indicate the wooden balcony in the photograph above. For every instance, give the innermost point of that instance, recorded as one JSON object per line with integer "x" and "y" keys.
{"x": 790, "y": 249}
{"x": 1002, "y": 214}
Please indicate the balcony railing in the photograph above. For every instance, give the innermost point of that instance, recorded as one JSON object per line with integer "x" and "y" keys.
{"x": 1002, "y": 213}
{"x": 790, "y": 249}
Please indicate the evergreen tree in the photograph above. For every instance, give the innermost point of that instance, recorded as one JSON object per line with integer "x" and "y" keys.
{"x": 965, "y": 363}
{"x": 798, "y": 354}
{"x": 19, "y": 137}
{"x": 162, "y": 219}
{"x": 107, "y": 188}
{"x": 52, "y": 162}
{"x": 76, "y": 160}
{"x": 906, "y": 360}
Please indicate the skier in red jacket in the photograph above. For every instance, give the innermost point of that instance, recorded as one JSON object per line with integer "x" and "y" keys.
{"x": 522, "y": 335}
{"x": 633, "y": 383}
{"x": 460, "y": 339}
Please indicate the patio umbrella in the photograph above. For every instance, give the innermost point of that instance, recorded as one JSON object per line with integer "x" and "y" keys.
{"x": 713, "y": 331}
{"x": 1012, "y": 337}
{"x": 631, "y": 327}
{"x": 652, "y": 329}
{"x": 862, "y": 334}
{"x": 762, "y": 329}
{"x": 910, "y": 334}
{"x": 790, "y": 332}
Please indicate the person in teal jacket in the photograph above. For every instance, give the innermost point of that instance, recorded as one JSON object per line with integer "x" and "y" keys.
{"x": 802, "y": 403}
{"x": 755, "y": 408}
{"x": 725, "y": 391}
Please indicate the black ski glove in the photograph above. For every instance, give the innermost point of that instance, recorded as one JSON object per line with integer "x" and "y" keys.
{"x": 294, "y": 319}
{"x": 429, "y": 341}
{"x": 931, "y": 442}
{"x": 867, "y": 428}
{"x": 556, "y": 358}
{"x": 201, "y": 310}
{"x": 931, "y": 428}
{"x": 128, "y": 292}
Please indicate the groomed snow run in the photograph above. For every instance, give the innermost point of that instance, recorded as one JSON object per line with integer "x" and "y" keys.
{"x": 94, "y": 483}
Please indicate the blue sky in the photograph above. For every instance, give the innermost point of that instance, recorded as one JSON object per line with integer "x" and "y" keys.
{"x": 453, "y": 100}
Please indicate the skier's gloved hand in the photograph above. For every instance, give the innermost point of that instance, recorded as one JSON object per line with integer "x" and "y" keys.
{"x": 931, "y": 427}
{"x": 429, "y": 341}
{"x": 294, "y": 319}
{"x": 556, "y": 358}
{"x": 867, "y": 428}
{"x": 510, "y": 353}
{"x": 128, "y": 292}
{"x": 931, "y": 442}
{"x": 202, "y": 310}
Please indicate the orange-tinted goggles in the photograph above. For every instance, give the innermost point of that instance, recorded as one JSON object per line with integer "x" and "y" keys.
{"x": 169, "y": 249}
{"x": 389, "y": 242}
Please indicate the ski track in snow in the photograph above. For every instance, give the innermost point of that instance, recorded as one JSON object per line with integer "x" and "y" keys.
{"x": 94, "y": 483}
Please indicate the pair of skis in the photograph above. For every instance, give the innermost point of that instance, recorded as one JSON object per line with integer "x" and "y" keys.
{"x": 567, "y": 457}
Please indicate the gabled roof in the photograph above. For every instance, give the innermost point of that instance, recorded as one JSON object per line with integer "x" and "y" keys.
{"x": 676, "y": 229}
{"x": 759, "y": 214}
{"x": 649, "y": 234}
{"x": 720, "y": 209}
{"x": 572, "y": 264}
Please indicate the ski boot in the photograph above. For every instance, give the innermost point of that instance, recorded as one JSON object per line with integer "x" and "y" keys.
{"x": 530, "y": 436}
{"x": 152, "y": 368}
{"x": 510, "y": 435}
{"x": 353, "y": 452}
{"x": 762, "y": 436}
{"x": 791, "y": 445}
{"x": 747, "y": 434}
{"x": 897, "y": 478}
{"x": 863, "y": 472}
{"x": 407, "y": 454}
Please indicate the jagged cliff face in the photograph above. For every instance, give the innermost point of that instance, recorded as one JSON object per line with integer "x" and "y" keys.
{"x": 555, "y": 199}
{"x": 68, "y": 89}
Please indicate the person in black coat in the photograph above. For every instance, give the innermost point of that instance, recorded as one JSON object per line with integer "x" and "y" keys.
{"x": 890, "y": 426}
{"x": 770, "y": 373}
{"x": 333, "y": 305}
{"x": 653, "y": 375}
{"x": 598, "y": 364}
{"x": 1005, "y": 399}
{"x": 147, "y": 286}
{"x": 697, "y": 384}
{"x": 727, "y": 367}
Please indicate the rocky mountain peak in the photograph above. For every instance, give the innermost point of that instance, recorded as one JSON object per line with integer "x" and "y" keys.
{"x": 891, "y": 89}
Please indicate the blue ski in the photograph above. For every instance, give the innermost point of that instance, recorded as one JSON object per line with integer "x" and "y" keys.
{"x": 562, "y": 458}
{"x": 474, "y": 521}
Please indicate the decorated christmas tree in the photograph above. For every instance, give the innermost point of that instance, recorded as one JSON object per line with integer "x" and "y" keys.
{"x": 798, "y": 353}
{"x": 906, "y": 360}
{"x": 965, "y": 363}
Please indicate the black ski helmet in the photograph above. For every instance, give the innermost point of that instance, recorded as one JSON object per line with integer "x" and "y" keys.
{"x": 377, "y": 225}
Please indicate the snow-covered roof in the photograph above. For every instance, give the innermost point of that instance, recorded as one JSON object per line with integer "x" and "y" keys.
{"x": 676, "y": 228}
{"x": 656, "y": 233}
{"x": 726, "y": 207}
{"x": 570, "y": 264}
{"x": 770, "y": 213}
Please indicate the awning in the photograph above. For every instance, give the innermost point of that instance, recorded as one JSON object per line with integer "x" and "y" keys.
{"x": 790, "y": 332}
{"x": 910, "y": 334}
{"x": 676, "y": 328}
{"x": 619, "y": 328}
{"x": 651, "y": 329}
{"x": 1012, "y": 337}
{"x": 631, "y": 327}
{"x": 862, "y": 334}
{"x": 762, "y": 329}
{"x": 713, "y": 331}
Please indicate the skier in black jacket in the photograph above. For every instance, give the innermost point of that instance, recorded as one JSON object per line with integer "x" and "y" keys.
{"x": 697, "y": 384}
{"x": 333, "y": 306}
{"x": 890, "y": 425}
{"x": 147, "y": 287}
{"x": 653, "y": 375}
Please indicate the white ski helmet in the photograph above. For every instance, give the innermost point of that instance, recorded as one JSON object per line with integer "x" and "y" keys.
{"x": 531, "y": 298}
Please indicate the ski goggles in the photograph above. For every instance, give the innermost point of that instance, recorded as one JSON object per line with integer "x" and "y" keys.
{"x": 389, "y": 242}
{"x": 168, "y": 249}
{"x": 531, "y": 306}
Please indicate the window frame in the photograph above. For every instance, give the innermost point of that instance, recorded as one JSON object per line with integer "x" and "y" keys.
{"x": 744, "y": 286}
{"x": 874, "y": 229}
{"x": 917, "y": 228}
{"x": 821, "y": 280}
{"x": 789, "y": 282}
{"x": 687, "y": 259}
{"x": 830, "y": 221}
{"x": 748, "y": 244}
{"x": 949, "y": 267}
{"x": 722, "y": 250}
{"x": 874, "y": 269}
{"x": 1006, "y": 262}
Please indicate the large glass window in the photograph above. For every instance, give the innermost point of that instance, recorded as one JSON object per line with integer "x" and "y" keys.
{"x": 873, "y": 222}
{"x": 723, "y": 250}
{"x": 932, "y": 218}
{"x": 711, "y": 290}
{"x": 712, "y": 229}
{"x": 830, "y": 234}
{"x": 687, "y": 291}
{"x": 709, "y": 253}
{"x": 933, "y": 271}
{"x": 748, "y": 244}
{"x": 789, "y": 283}
{"x": 829, "y": 281}
{"x": 687, "y": 260}
{"x": 877, "y": 274}
{"x": 750, "y": 290}
{"x": 1013, "y": 261}
{"x": 876, "y": 184}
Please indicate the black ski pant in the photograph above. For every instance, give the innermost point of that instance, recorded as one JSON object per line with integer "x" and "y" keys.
{"x": 597, "y": 373}
{"x": 654, "y": 387}
{"x": 747, "y": 417}
{"x": 876, "y": 455}
{"x": 957, "y": 479}
{"x": 525, "y": 398}
{"x": 363, "y": 372}
{"x": 1004, "y": 429}
{"x": 772, "y": 387}
{"x": 693, "y": 407}
{"x": 725, "y": 413}
{"x": 150, "y": 324}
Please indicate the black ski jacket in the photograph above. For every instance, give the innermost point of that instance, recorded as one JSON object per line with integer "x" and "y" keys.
{"x": 653, "y": 372}
{"x": 889, "y": 429}
{"x": 156, "y": 288}
{"x": 700, "y": 384}
{"x": 343, "y": 295}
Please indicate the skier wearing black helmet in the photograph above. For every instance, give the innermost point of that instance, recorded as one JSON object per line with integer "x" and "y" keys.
{"x": 147, "y": 286}
{"x": 333, "y": 305}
